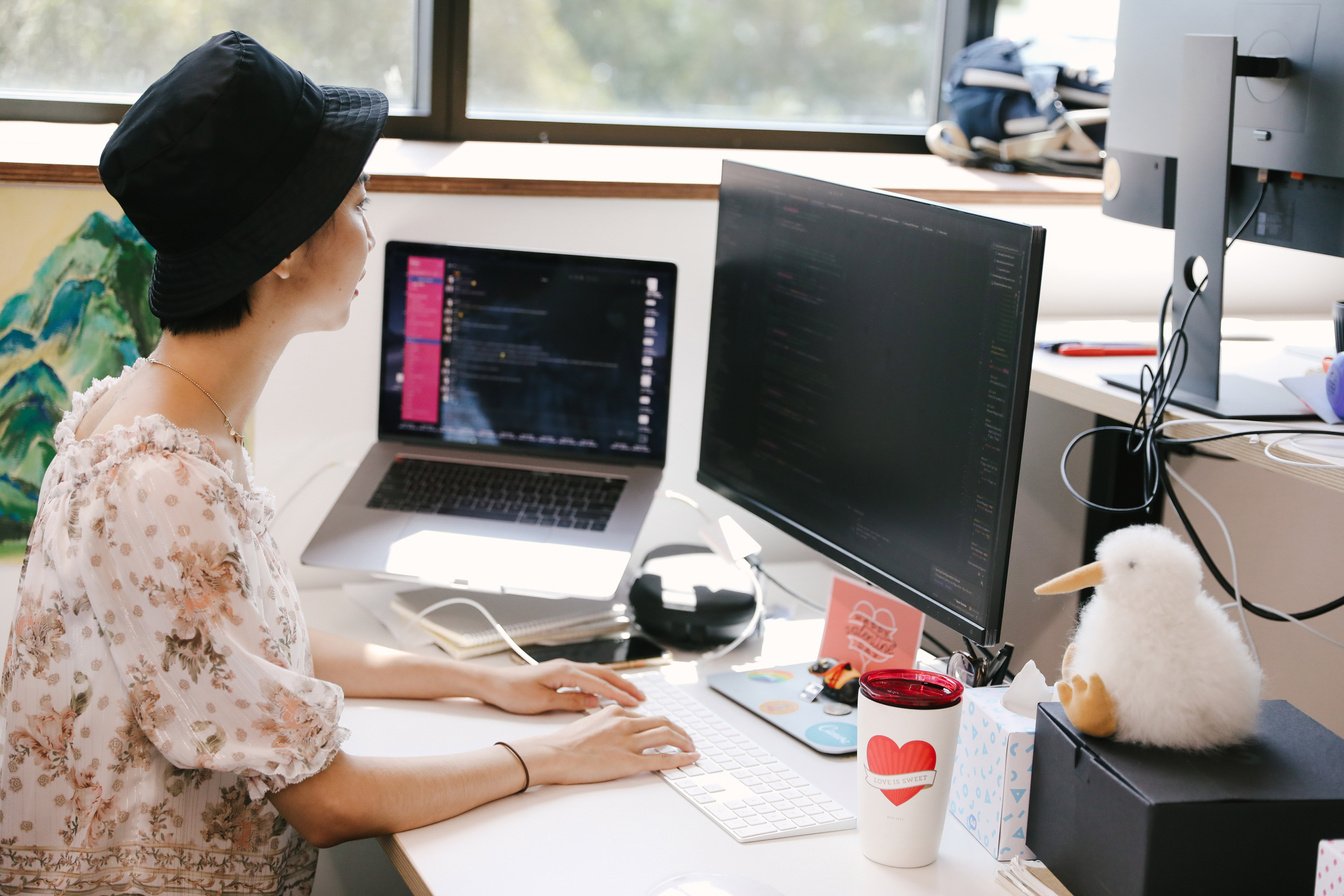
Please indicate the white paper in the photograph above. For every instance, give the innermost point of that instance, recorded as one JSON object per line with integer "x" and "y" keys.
{"x": 1028, "y": 689}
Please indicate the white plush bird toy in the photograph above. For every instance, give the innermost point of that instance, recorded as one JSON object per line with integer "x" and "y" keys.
{"x": 1154, "y": 660}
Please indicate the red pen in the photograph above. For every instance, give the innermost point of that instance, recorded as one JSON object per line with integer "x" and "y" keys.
{"x": 1104, "y": 349}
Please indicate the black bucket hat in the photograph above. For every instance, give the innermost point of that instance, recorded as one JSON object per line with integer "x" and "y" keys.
{"x": 229, "y": 162}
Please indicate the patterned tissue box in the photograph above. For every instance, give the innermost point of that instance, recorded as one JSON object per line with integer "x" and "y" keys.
{"x": 991, "y": 781}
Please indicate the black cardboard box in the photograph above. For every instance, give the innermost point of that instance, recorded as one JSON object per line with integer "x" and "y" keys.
{"x": 1112, "y": 819}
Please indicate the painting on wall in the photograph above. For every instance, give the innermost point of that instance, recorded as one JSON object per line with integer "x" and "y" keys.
{"x": 80, "y": 311}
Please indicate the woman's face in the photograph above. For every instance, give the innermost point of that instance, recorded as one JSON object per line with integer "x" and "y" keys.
{"x": 332, "y": 261}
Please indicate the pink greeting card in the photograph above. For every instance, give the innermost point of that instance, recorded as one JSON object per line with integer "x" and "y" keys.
{"x": 870, "y": 628}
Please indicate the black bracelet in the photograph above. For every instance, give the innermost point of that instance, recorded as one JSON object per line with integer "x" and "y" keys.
{"x": 527, "y": 776}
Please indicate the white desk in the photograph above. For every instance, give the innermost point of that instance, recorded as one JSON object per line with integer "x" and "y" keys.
{"x": 1077, "y": 381}
{"x": 626, "y": 837}
{"x": 632, "y": 836}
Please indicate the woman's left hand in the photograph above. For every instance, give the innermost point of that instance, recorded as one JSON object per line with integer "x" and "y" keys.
{"x": 558, "y": 684}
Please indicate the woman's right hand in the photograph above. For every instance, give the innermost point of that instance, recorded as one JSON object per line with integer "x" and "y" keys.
{"x": 606, "y": 745}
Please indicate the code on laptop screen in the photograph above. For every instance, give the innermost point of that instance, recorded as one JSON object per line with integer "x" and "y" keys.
{"x": 557, "y": 354}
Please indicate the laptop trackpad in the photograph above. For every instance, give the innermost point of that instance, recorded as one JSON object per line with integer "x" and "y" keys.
{"x": 483, "y": 563}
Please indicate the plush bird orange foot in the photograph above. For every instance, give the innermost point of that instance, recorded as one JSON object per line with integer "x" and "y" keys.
{"x": 1088, "y": 705}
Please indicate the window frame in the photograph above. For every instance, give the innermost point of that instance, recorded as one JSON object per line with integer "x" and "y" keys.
{"x": 444, "y": 30}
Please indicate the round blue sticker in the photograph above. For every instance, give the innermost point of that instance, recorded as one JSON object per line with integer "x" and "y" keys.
{"x": 833, "y": 734}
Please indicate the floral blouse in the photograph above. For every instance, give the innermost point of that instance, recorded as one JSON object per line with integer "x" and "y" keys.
{"x": 157, "y": 683}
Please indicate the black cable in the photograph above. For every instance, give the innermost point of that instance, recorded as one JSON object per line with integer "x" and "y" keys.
{"x": 1195, "y": 452}
{"x": 1157, "y": 385}
{"x": 943, "y": 649}
{"x": 756, "y": 565}
{"x": 1301, "y": 615}
{"x": 1272, "y": 431}
{"x": 1162, "y": 319}
{"x": 1166, "y": 300}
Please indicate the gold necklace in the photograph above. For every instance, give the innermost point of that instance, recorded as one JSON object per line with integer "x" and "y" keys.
{"x": 233, "y": 433}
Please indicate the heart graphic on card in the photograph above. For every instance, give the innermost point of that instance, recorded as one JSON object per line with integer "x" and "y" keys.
{"x": 871, "y": 633}
{"x": 869, "y": 628}
{"x": 900, "y": 771}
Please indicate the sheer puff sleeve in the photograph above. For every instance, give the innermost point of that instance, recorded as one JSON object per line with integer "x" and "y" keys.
{"x": 203, "y": 624}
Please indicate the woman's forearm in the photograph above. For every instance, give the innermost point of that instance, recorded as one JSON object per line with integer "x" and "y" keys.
{"x": 362, "y": 796}
{"x": 370, "y": 670}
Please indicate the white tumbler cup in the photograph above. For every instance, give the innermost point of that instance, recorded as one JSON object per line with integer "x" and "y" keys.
{"x": 907, "y": 722}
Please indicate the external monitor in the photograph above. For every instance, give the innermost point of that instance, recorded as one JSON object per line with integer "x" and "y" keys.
{"x": 1214, "y": 103}
{"x": 866, "y": 384}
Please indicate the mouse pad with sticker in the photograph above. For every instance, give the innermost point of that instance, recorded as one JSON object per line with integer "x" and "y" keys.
{"x": 776, "y": 695}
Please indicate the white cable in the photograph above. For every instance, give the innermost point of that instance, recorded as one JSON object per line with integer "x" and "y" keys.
{"x": 1231, "y": 555}
{"x": 1271, "y": 610}
{"x": 1314, "y": 465}
{"x": 449, "y": 601}
{"x": 678, "y": 496}
{"x": 1290, "y": 440}
{"x": 757, "y": 612}
{"x": 687, "y": 499}
{"x": 1222, "y": 423}
{"x": 758, "y": 592}
{"x": 1332, "y": 439}
{"x": 1236, "y": 590}
{"x": 1256, "y": 430}
{"x": 1288, "y": 618}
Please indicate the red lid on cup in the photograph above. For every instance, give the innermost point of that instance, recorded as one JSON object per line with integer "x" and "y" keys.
{"x": 910, "y": 688}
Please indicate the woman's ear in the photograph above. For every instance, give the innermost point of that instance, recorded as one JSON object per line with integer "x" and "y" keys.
{"x": 285, "y": 267}
{"x": 292, "y": 263}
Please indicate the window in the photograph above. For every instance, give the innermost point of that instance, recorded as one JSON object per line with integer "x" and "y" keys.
{"x": 840, "y": 67}
{"x": 86, "y": 60}
{"x": 1077, "y": 34}
{"x": 844, "y": 74}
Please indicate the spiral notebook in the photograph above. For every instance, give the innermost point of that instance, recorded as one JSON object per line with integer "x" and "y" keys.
{"x": 463, "y": 632}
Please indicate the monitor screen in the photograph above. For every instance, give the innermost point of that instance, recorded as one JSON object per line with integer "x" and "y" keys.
{"x": 542, "y": 352}
{"x": 866, "y": 384}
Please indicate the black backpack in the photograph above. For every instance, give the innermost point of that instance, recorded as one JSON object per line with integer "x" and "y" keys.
{"x": 1017, "y": 115}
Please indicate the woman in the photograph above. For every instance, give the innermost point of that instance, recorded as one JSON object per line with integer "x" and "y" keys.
{"x": 169, "y": 722}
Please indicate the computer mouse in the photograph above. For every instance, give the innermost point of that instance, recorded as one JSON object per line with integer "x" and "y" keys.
{"x": 1334, "y": 390}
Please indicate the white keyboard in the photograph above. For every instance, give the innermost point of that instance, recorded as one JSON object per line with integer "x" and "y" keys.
{"x": 739, "y": 785}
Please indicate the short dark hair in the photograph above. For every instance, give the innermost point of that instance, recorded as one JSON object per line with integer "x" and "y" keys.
{"x": 225, "y": 316}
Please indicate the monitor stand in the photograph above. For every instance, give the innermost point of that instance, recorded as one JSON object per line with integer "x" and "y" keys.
{"x": 1211, "y": 67}
{"x": 1239, "y": 397}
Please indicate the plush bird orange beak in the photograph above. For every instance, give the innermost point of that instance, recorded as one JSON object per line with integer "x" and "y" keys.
{"x": 1089, "y": 576}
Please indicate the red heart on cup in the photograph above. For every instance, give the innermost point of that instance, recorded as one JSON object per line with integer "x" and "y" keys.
{"x": 886, "y": 758}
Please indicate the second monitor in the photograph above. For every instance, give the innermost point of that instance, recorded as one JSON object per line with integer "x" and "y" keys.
{"x": 866, "y": 386}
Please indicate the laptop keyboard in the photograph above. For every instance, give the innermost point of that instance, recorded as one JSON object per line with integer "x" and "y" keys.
{"x": 565, "y": 500}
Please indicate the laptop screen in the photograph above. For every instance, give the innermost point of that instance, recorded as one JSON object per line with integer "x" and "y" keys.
{"x": 526, "y": 351}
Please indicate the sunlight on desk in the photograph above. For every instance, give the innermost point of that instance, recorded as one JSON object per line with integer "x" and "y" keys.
{"x": 786, "y": 641}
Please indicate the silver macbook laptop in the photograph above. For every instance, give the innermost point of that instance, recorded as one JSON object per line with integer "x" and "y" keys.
{"x": 522, "y": 422}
